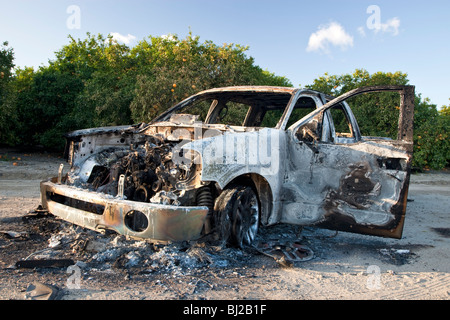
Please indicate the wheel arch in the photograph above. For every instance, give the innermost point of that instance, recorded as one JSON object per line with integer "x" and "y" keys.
{"x": 263, "y": 190}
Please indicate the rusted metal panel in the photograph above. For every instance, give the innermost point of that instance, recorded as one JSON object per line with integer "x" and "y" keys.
{"x": 363, "y": 183}
{"x": 406, "y": 117}
{"x": 158, "y": 222}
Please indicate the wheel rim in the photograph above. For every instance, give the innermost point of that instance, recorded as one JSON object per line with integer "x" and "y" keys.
{"x": 246, "y": 218}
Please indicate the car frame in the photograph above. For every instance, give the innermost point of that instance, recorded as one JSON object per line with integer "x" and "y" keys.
{"x": 183, "y": 176}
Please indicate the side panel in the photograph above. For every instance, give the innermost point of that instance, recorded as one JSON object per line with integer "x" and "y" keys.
{"x": 360, "y": 187}
{"x": 231, "y": 155}
{"x": 353, "y": 184}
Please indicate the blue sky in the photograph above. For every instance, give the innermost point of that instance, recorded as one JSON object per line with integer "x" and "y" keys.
{"x": 300, "y": 40}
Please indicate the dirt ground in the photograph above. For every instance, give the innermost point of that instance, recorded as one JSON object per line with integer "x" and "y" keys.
{"x": 345, "y": 266}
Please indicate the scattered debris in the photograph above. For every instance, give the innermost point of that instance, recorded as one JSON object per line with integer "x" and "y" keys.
{"x": 44, "y": 263}
{"x": 285, "y": 253}
{"x": 55, "y": 244}
{"x": 94, "y": 246}
{"x": 54, "y": 241}
{"x": 396, "y": 256}
{"x": 41, "y": 291}
{"x": 200, "y": 255}
{"x": 39, "y": 212}
{"x": 390, "y": 272}
{"x": 14, "y": 234}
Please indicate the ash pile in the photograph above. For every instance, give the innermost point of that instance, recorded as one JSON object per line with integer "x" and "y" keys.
{"x": 65, "y": 244}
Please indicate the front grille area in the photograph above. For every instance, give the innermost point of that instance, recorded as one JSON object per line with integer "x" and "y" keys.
{"x": 75, "y": 203}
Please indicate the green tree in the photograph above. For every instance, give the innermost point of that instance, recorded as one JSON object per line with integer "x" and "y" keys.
{"x": 106, "y": 99}
{"x": 81, "y": 58}
{"x": 96, "y": 81}
{"x": 179, "y": 68}
{"x": 7, "y": 112}
{"x": 105, "y": 69}
{"x": 445, "y": 110}
{"x": 19, "y": 100}
{"x": 44, "y": 99}
{"x": 431, "y": 135}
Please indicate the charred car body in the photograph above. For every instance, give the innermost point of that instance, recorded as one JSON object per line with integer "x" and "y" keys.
{"x": 226, "y": 161}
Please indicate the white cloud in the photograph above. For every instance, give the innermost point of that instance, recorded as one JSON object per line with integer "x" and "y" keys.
{"x": 390, "y": 26}
{"x": 330, "y": 34}
{"x": 121, "y": 38}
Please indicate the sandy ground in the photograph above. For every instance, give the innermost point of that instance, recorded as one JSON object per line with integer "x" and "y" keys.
{"x": 345, "y": 266}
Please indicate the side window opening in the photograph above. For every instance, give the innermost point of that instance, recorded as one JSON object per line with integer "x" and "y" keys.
{"x": 377, "y": 113}
{"x": 303, "y": 107}
{"x": 332, "y": 126}
{"x": 341, "y": 123}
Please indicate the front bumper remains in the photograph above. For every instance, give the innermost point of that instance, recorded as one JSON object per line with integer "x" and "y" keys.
{"x": 141, "y": 220}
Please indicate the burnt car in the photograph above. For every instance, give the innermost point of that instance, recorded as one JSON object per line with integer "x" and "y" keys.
{"x": 227, "y": 161}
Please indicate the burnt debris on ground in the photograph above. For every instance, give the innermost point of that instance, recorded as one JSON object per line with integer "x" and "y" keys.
{"x": 41, "y": 240}
{"x": 46, "y": 246}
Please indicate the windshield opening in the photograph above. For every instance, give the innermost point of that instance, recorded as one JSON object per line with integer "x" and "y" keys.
{"x": 251, "y": 109}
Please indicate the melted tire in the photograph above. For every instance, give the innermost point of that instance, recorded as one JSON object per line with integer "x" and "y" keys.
{"x": 236, "y": 216}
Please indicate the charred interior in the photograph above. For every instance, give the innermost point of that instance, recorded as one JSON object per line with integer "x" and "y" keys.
{"x": 149, "y": 173}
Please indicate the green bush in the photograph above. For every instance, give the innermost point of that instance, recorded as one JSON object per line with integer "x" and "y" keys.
{"x": 98, "y": 82}
{"x": 431, "y": 137}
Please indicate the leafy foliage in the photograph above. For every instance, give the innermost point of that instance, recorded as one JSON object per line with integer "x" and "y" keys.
{"x": 7, "y": 115}
{"x": 181, "y": 68}
{"x": 98, "y": 82}
{"x": 431, "y": 136}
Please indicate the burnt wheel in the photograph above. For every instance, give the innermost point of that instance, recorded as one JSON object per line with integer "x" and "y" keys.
{"x": 237, "y": 215}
